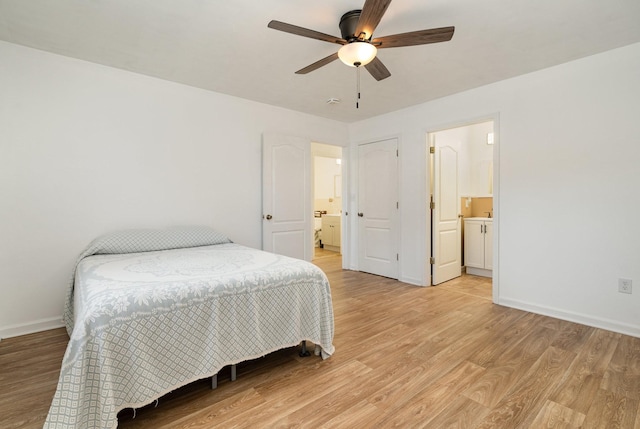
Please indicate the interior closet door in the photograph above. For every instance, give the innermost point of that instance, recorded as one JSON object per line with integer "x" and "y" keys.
{"x": 378, "y": 208}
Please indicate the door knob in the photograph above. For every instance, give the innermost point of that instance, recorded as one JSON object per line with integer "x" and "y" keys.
{"x": 360, "y": 214}
{"x": 269, "y": 217}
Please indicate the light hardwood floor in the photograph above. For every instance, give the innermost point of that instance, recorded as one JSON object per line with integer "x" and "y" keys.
{"x": 439, "y": 357}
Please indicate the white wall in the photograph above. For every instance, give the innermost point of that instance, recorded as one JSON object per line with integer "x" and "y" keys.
{"x": 568, "y": 157}
{"x": 325, "y": 171}
{"x": 86, "y": 149}
{"x": 480, "y": 160}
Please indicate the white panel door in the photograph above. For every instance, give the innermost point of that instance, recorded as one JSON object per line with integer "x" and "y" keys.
{"x": 378, "y": 208}
{"x": 286, "y": 196}
{"x": 446, "y": 222}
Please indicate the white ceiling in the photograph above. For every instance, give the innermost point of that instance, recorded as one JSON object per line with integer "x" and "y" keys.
{"x": 225, "y": 46}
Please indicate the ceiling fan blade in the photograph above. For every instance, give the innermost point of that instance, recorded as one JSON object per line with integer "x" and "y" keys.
{"x": 305, "y": 32}
{"x": 420, "y": 37}
{"x": 370, "y": 17}
{"x": 318, "y": 64}
{"x": 377, "y": 69}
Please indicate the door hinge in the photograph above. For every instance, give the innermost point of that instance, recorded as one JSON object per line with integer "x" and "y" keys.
{"x": 397, "y": 205}
{"x": 396, "y": 153}
{"x": 432, "y": 149}
{"x": 432, "y": 205}
{"x": 397, "y": 256}
{"x": 432, "y": 260}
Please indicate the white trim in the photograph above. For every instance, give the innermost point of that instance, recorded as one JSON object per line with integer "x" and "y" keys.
{"x": 495, "y": 281}
{"x": 479, "y": 272}
{"x": 581, "y": 318}
{"x": 412, "y": 281}
{"x": 31, "y": 327}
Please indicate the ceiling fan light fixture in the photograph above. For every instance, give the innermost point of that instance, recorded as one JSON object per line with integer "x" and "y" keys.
{"x": 357, "y": 52}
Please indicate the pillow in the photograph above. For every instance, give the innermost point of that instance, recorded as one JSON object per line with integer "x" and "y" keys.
{"x": 147, "y": 240}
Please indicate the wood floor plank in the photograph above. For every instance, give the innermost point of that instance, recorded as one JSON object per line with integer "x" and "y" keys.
{"x": 510, "y": 362}
{"x": 461, "y": 413}
{"x": 554, "y": 415}
{"x": 572, "y": 335}
{"x": 623, "y": 374}
{"x": 517, "y": 335}
{"x": 425, "y": 404}
{"x": 326, "y": 406}
{"x": 361, "y": 414}
{"x": 469, "y": 285}
{"x": 406, "y": 356}
{"x": 206, "y": 417}
{"x": 611, "y": 411}
{"x": 584, "y": 377}
{"x": 524, "y": 400}
{"x": 284, "y": 399}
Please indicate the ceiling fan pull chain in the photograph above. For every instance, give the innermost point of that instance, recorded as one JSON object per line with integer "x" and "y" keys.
{"x": 358, "y": 85}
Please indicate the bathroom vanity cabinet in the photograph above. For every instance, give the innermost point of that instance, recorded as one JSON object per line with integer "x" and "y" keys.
{"x": 478, "y": 246}
{"x": 331, "y": 232}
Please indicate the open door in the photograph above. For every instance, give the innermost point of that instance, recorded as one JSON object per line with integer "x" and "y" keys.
{"x": 446, "y": 262}
{"x": 286, "y": 196}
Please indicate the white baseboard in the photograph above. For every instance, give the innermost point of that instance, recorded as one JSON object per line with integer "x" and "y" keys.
{"x": 31, "y": 327}
{"x": 583, "y": 319}
{"x": 479, "y": 272}
{"x": 411, "y": 281}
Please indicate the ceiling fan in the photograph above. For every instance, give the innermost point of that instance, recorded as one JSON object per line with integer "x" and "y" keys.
{"x": 358, "y": 46}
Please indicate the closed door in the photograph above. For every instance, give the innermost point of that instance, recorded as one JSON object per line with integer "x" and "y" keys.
{"x": 488, "y": 245}
{"x": 286, "y": 196}
{"x": 474, "y": 244}
{"x": 378, "y": 208}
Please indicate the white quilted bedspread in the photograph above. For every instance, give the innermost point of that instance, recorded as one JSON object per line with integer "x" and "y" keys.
{"x": 147, "y": 323}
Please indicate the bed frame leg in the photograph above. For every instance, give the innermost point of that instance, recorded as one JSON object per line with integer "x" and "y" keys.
{"x": 214, "y": 381}
{"x": 304, "y": 352}
{"x": 214, "y": 378}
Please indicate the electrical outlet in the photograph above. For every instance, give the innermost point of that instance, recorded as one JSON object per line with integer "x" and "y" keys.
{"x": 624, "y": 285}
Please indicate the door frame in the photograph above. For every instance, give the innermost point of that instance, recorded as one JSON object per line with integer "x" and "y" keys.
{"x": 495, "y": 117}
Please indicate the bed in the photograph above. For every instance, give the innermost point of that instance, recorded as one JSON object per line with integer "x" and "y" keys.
{"x": 149, "y": 311}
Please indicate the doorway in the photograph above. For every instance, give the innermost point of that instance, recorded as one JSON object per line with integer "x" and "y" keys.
{"x": 461, "y": 193}
{"x": 288, "y": 194}
{"x": 327, "y": 199}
